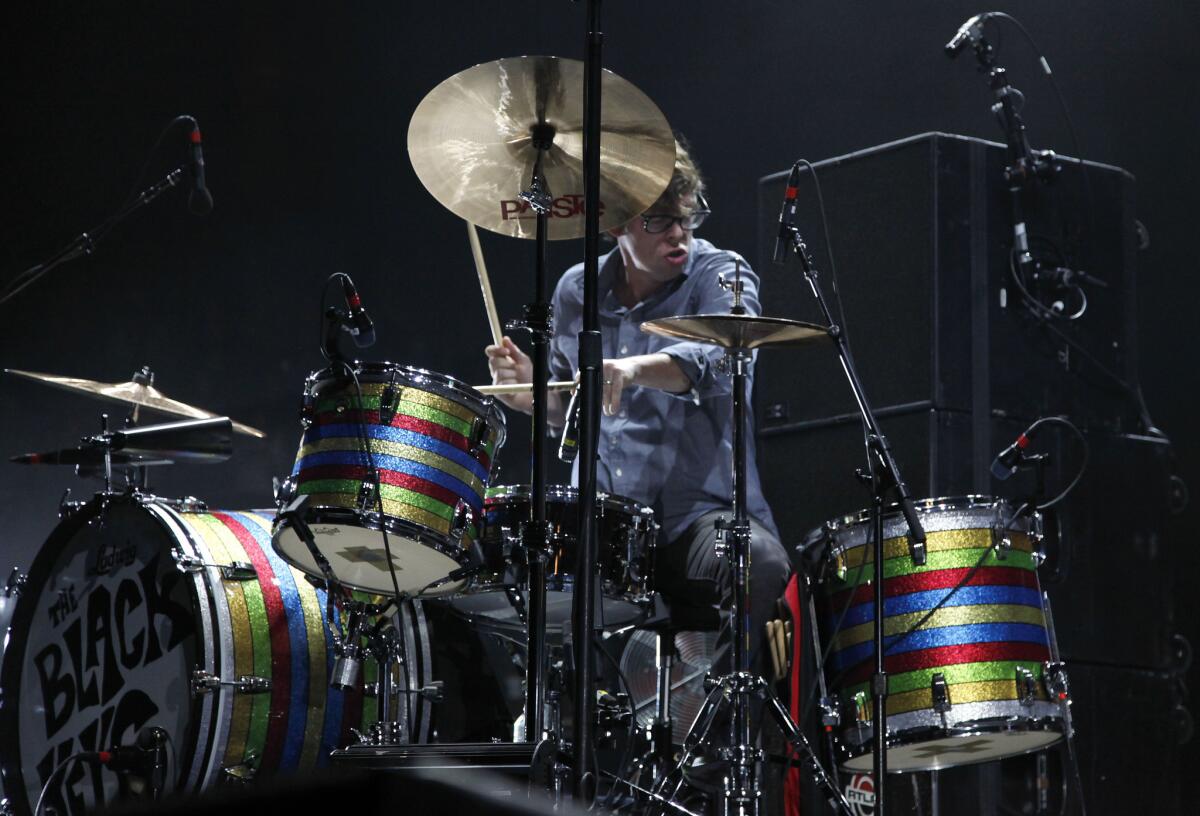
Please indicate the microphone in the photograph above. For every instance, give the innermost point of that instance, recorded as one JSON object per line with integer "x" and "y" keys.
{"x": 361, "y": 327}
{"x": 787, "y": 216}
{"x": 146, "y": 758}
{"x": 569, "y": 446}
{"x": 1060, "y": 277}
{"x": 200, "y": 200}
{"x": 1006, "y": 462}
{"x": 969, "y": 32}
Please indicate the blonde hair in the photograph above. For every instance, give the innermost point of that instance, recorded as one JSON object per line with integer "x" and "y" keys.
{"x": 686, "y": 180}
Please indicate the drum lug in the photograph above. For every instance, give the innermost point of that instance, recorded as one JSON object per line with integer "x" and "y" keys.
{"x": 15, "y": 583}
{"x": 284, "y": 491}
{"x": 388, "y": 400}
{"x": 236, "y": 571}
{"x": 203, "y": 682}
{"x": 478, "y": 436}
{"x": 1056, "y": 681}
{"x": 368, "y": 497}
{"x": 940, "y": 692}
{"x": 831, "y": 717}
{"x": 1026, "y": 686}
{"x": 463, "y": 518}
{"x": 190, "y": 504}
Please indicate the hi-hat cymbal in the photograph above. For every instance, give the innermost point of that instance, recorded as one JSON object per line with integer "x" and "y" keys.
{"x": 471, "y": 141}
{"x": 129, "y": 393}
{"x": 731, "y": 331}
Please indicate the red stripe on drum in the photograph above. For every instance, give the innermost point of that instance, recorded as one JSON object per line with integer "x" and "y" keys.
{"x": 946, "y": 656}
{"x": 938, "y": 579}
{"x": 281, "y": 647}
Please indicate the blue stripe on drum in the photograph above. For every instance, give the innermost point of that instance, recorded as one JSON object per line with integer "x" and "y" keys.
{"x": 331, "y": 734}
{"x": 398, "y": 465}
{"x": 429, "y": 443}
{"x": 924, "y": 601}
{"x": 297, "y": 714}
{"x": 944, "y": 636}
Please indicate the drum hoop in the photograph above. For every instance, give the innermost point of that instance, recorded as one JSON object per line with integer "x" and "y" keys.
{"x": 443, "y": 385}
{"x": 510, "y": 494}
{"x": 402, "y": 528}
{"x": 13, "y": 659}
{"x": 981, "y": 727}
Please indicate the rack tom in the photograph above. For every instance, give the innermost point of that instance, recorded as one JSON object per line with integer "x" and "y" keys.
{"x": 431, "y": 439}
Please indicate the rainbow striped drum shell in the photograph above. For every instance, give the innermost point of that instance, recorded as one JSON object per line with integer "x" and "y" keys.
{"x": 432, "y": 440}
{"x": 133, "y": 615}
{"x": 969, "y": 685}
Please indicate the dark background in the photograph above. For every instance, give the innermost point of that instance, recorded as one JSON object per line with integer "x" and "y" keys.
{"x": 305, "y": 118}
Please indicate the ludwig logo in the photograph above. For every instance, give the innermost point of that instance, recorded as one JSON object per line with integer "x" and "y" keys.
{"x": 565, "y": 206}
{"x": 860, "y": 793}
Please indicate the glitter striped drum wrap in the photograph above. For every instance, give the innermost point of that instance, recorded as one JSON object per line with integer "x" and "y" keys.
{"x": 982, "y": 637}
{"x": 276, "y": 632}
{"x": 429, "y": 451}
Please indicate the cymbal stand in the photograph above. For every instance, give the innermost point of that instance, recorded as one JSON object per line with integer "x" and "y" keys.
{"x": 538, "y": 321}
{"x": 885, "y": 480}
{"x": 742, "y": 791}
{"x": 591, "y": 367}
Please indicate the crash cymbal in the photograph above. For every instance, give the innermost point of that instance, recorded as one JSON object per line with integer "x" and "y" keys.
{"x": 129, "y": 393}
{"x": 737, "y": 331}
{"x": 471, "y": 141}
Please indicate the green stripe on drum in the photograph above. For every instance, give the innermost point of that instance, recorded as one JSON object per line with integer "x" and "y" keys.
{"x": 938, "y": 541}
{"x": 952, "y": 559}
{"x": 394, "y": 509}
{"x": 946, "y": 616}
{"x": 960, "y": 673}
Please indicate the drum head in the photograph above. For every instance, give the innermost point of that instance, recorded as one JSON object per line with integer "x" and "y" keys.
{"x": 963, "y": 749}
{"x": 108, "y": 639}
{"x": 357, "y": 556}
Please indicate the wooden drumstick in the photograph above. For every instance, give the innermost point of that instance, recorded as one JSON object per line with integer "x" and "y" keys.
{"x": 523, "y": 388}
{"x": 489, "y": 302}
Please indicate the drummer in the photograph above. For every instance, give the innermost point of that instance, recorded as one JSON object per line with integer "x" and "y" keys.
{"x": 666, "y": 436}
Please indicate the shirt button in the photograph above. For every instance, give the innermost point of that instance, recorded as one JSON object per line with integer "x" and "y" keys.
{"x": 623, "y": 413}
{"x": 624, "y": 349}
{"x": 618, "y": 472}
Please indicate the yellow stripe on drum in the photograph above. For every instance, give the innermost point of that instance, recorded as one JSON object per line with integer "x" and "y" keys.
{"x": 981, "y": 691}
{"x": 409, "y": 394}
{"x": 939, "y": 541}
{"x": 224, "y": 549}
{"x": 314, "y": 626}
{"x": 399, "y": 450}
{"x": 946, "y": 616}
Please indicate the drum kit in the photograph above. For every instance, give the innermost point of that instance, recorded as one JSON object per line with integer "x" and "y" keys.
{"x": 262, "y": 641}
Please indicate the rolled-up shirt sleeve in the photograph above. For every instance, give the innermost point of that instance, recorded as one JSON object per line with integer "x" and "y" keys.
{"x": 698, "y": 361}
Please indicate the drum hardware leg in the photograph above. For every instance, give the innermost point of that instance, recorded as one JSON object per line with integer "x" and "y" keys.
{"x": 347, "y": 667}
{"x": 513, "y": 595}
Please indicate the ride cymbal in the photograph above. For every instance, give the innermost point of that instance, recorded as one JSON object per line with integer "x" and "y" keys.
{"x": 472, "y": 139}
{"x": 129, "y": 393}
{"x": 737, "y": 331}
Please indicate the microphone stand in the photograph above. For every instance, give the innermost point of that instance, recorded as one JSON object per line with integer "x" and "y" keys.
{"x": 85, "y": 242}
{"x": 591, "y": 366}
{"x": 885, "y": 479}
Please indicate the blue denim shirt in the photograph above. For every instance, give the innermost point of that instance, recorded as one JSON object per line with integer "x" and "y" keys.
{"x": 673, "y": 452}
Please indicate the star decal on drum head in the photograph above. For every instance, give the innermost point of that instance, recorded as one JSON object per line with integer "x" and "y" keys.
{"x": 972, "y": 747}
{"x": 366, "y": 555}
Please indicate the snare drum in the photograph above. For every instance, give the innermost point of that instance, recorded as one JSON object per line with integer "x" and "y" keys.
{"x": 432, "y": 441}
{"x": 140, "y": 611}
{"x": 971, "y": 683}
{"x": 624, "y": 554}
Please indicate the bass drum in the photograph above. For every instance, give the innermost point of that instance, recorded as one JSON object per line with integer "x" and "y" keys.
{"x": 145, "y": 612}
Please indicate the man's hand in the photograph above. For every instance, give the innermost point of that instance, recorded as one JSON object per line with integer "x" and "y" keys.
{"x": 510, "y": 365}
{"x": 650, "y": 370}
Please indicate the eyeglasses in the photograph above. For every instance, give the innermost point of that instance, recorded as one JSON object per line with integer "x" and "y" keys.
{"x": 655, "y": 223}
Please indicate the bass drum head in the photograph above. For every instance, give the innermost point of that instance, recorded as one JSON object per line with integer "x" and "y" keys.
{"x": 109, "y": 636}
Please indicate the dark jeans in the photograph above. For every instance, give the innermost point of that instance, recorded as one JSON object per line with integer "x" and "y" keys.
{"x": 690, "y": 573}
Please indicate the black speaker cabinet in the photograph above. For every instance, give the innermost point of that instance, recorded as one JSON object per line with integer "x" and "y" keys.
{"x": 955, "y": 368}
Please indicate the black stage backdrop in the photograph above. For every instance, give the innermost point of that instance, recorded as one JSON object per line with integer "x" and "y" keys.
{"x": 305, "y": 114}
